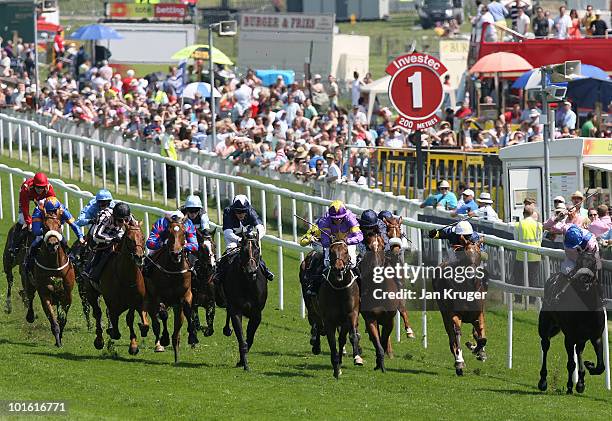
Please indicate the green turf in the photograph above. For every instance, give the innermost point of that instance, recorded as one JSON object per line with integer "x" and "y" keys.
{"x": 286, "y": 381}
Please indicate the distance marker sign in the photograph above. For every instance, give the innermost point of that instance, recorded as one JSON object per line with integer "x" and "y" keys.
{"x": 416, "y": 90}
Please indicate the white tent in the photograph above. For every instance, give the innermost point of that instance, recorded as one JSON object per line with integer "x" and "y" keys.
{"x": 378, "y": 87}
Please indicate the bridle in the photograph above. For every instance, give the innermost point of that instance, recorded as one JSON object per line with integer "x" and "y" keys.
{"x": 48, "y": 234}
{"x": 137, "y": 258}
{"x": 342, "y": 272}
{"x": 250, "y": 244}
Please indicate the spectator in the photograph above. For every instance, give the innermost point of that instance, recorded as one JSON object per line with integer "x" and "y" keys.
{"x": 522, "y": 22}
{"x": 485, "y": 211}
{"x": 598, "y": 26}
{"x": 588, "y": 127}
{"x": 566, "y": 117}
{"x": 578, "y": 211}
{"x": 445, "y": 199}
{"x": 356, "y": 177}
{"x": 562, "y": 23}
{"x": 530, "y": 202}
{"x": 528, "y": 231}
{"x": 574, "y": 30}
{"x": 333, "y": 92}
{"x": 540, "y": 24}
{"x": 499, "y": 13}
{"x": 355, "y": 89}
{"x": 168, "y": 149}
{"x": 465, "y": 110}
{"x": 469, "y": 205}
{"x": 588, "y": 18}
{"x": 333, "y": 170}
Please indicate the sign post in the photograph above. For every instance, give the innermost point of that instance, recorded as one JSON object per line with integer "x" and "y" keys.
{"x": 416, "y": 92}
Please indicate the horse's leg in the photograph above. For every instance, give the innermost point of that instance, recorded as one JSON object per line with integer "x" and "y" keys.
{"x": 595, "y": 370}
{"x": 373, "y": 333}
{"x": 192, "y": 339}
{"x": 353, "y": 329}
{"x": 30, "y": 291}
{"x": 210, "y": 318}
{"x": 45, "y": 301}
{"x": 480, "y": 337}
{"x": 113, "y": 329}
{"x": 242, "y": 345}
{"x": 571, "y": 364}
{"x": 581, "y": 372}
{"x": 156, "y": 332}
{"x": 387, "y": 330}
{"x": 456, "y": 345}
{"x": 82, "y": 289}
{"x": 342, "y": 335}
{"x": 8, "y": 270}
{"x": 227, "y": 330}
{"x": 252, "y": 326}
{"x": 176, "y": 332}
{"x": 93, "y": 300}
{"x": 129, "y": 320}
{"x": 407, "y": 327}
{"x": 333, "y": 351}
{"x": 163, "y": 315}
{"x": 65, "y": 304}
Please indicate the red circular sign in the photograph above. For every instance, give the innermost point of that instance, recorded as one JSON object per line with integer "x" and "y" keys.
{"x": 416, "y": 92}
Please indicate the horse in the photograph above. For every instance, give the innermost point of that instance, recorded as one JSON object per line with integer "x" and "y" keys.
{"x": 455, "y": 310}
{"x": 246, "y": 293}
{"x": 169, "y": 284}
{"x": 80, "y": 254}
{"x": 202, "y": 287}
{"x": 123, "y": 288}
{"x": 53, "y": 277}
{"x": 338, "y": 304}
{"x": 10, "y": 260}
{"x": 573, "y": 305}
{"x": 394, "y": 230}
{"x": 377, "y": 312}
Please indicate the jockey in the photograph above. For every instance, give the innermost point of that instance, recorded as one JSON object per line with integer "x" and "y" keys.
{"x": 369, "y": 222}
{"x": 89, "y": 214}
{"x": 108, "y": 228}
{"x": 456, "y": 235}
{"x": 196, "y": 214}
{"x": 32, "y": 190}
{"x": 50, "y": 206}
{"x": 239, "y": 217}
{"x": 341, "y": 224}
{"x": 384, "y": 216}
{"x": 159, "y": 235}
{"x": 576, "y": 241}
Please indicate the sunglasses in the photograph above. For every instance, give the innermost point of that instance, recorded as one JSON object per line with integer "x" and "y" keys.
{"x": 124, "y": 220}
{"x": 192, "y": 210}
{"x": 592, "y": 215}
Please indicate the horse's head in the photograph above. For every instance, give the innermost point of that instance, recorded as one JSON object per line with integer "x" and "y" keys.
{"x": 207, "y": 251}
{"x": 339, "y": 257}
{"x": 249, "y": 251}
{"x": 52, "y": 229}
{"x": 176, "y": 240}
{"x": 133, "y": 241}
{"x": 374, "y": 241}
{"x": 586, "y": 270}
{"x": 468, "y": 253}
{"x": 394, "y": 230}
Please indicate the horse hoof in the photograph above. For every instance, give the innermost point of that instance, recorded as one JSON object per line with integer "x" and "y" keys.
{"x": 192, "y": 339}
{"x": 30, "y": 316}
{"x": 316, "y": 350}
{"x": 159, "y": 348}
{"x": 144, "y": 330}
{"x": 227, "y": 331}
{"x": 344, "y": 350}
{"x": 99, "y": 343}
{"x": 580, "y": 387}
{"x": 240, "y": 364}
{"x": 481, "y": 356}
{"x": 313, "y": 340}
{"x": 165, "y": 339}
{"x": 569, "y": 392}
{"x": 247, "y": 368}
{"x": 357, "y": 360}
{"x": 9, "y": 307}
{"x": 459, "y": 371}
{"x": 470, "y": 346}
{"x": 133, "y": 350}
{"x": 410, "y": 333}
{"x": 337, "y": 373}
{"x": 208, "y": 332}
{"x": 543, "y": 385}
{"x": 113, "y": 333}
{"x": 58, "y": 343}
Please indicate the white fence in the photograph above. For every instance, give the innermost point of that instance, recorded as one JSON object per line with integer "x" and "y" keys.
{"x": 415, "y": 230}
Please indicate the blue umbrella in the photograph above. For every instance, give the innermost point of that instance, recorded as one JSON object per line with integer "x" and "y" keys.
{"x": 95, "y": 32}
{"x": 587, "y": 71}
{"x": 587, "y": 91}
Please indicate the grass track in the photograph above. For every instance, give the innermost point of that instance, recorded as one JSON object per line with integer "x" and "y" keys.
{"x": 286, "y": 380}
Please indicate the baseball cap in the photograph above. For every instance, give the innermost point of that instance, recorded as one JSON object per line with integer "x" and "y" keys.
{"x": 468, "y": 192}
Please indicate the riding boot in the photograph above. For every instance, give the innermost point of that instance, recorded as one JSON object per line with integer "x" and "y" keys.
{"x": 269, "y": 275}
{"x": 192, "y": 259}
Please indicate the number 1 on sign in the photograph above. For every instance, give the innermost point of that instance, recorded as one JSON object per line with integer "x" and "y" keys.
{"x": 417, "y": 89}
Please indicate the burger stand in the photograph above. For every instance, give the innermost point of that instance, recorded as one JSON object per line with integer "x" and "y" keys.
{"x": 577, "y": 164}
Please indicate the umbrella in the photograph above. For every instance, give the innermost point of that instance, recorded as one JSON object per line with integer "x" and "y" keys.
{"x": 201, "y": 51}
{"x": 202, "y": 87}
{"x": 95, "y": 32}
{"x": 588, "y": 91}
{"x": 527, "y": 81}
{"x": 501, "y": 63}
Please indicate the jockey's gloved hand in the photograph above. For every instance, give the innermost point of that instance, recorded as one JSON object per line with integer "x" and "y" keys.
{"x": 433, "y": 233}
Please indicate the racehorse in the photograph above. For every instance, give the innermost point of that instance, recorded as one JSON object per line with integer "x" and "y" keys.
{"x": 394, "y": 230}
{"x": 169, "y": 284}
{"x": 80, "y": 253}
{"x": 123, "y": 288}
{"x": 455, "y": 310}
{"x": 246, "y": 293}
{"x": 10, "y": 261}
{"x": 377, "y": 312}
{"x": 53, "y": 277}
{"x": 573, "y": 305}
{"x": 338, "y": 304}
{"x": 202, "y": 286}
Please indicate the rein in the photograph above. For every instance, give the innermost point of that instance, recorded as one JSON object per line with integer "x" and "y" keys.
{"x": 342, "y": 287}
{"x": 167, "y": 272}
{"x": 52, "y": 269}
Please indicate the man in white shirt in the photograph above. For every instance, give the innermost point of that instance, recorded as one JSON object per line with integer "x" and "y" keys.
{"x": 291, "y": 110}
{"x": 523, "y": 21}
{"x": 358, "y": 116}
{"x": 562, "y": 23}
{"x": 356, "y": 89}
{"x": 334, "y": 175}
{"x": 485, "y": 211}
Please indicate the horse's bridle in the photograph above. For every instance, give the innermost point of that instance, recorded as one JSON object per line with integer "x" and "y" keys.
{"x": 138, "y": 260}
{"x": 249, "y": 241}
{"x": 41, "y": 266}
{"x": 344, "y": 269}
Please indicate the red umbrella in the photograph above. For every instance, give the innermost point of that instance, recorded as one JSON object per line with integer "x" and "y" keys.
{"x": 501, "y": 62}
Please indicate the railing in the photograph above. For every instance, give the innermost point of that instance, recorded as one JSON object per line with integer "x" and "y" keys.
{"x": 497, "y": 248}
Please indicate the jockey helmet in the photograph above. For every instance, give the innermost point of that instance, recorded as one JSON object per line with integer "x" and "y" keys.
{"x": 464, "y": 228}
{"x": 385, "y": 214}
{"x": 103, "y": 195}
{"x": 337, "y": 210}
{"x": 368, "y": 219}
{"x": 176, "y": 215}
{"x": 40, "y": 180}
{"x": 52, "y": 204}
{"x": 193, "y": 201}
{"x": 240, "y": 203}
{"x": 121, "y": 211}
{"x": 575, "y": 237}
